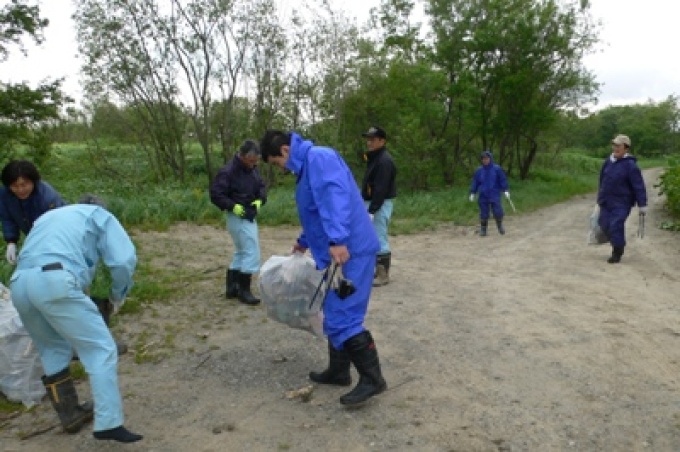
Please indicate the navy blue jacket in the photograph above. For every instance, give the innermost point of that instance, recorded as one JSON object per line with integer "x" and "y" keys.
{"x": 235, "y": 183}
{"x": 621, "y": 184}
{"x": 379, "y": 181}
{"x": 489, "y": 181}
{"x": 18, "y": 215}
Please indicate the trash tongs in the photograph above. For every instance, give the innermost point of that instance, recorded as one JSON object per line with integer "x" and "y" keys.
{"x": 343, "y": 287}
{"x": 641, "y": 226}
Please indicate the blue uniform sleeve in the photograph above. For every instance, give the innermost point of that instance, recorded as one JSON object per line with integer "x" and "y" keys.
{"x": 329, "y": 184}
{"x": 10, "y": 230}
{"x": 502, "y": 179}
{"x": 638, "y": 184}
{"x": 117, "y": 252}
{"x": 219, "y": 191}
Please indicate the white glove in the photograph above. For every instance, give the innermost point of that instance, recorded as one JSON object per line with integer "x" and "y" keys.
{"x": 371, "y": 215}
{"x": 117, "y": 305}
{"x": 643, "y": 210}
{"x": 472, "y": 197}
{"x": 507, "y": 194}
{"x": 11, "y": 253}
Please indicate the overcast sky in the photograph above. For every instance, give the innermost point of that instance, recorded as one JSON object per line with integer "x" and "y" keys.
{"x": 637, "y": 59}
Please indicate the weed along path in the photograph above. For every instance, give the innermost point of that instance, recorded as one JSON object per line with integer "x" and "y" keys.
{"x": 523, "y": 342}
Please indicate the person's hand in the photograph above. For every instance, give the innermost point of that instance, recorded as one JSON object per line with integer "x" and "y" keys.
{"x": 507, "y": 194}
{"x": 643, "y": 210}
{"x": 339, "y": 254}
{"x": 297, "y": 248}
{"x": 371, "y": 215}
{"x": 239, "y": 210}
{"x": 257, "y": 203}
{"x": 11, "y": 254}
{"x": 472, "y": 197}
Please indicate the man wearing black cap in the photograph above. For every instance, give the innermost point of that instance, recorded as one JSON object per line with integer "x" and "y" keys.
{"x": 379, "y": 190}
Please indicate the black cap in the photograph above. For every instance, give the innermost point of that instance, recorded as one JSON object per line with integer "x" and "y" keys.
{"x": 375, "y": 131}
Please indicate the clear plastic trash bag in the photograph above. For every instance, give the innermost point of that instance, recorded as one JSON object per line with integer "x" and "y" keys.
{"x": 287, "y": 286}
{"x": 595, "y": 235}
{"x": 20, "y": 366}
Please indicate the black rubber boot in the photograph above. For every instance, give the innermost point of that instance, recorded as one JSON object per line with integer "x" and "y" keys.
{"x": 482, "y": 229}
{"x": 382, "y": 270}
{"x": 364, "y": 356}
{"x": 120, "y": 434}
{"x": 233, "y": 283}
{"x": 617, "y": 252}
{"x": 244, "y": 294}
{"x": 338, "y": 369}
{"x": 499, "y": 225}
{"x": 64, "y": 398}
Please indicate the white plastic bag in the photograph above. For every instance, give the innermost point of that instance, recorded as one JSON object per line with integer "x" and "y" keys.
{"x": 290, "y": 289}
{"x": 595, "y": 235}
{"x": 20, "y": 366}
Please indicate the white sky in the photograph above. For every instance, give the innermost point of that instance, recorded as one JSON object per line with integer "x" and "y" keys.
{"x": 637, "y": 59}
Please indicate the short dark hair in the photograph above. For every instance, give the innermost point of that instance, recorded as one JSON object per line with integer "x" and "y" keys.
{"x": 249, "y": 147}
{"x": 89, "y": 198}
{"x": 271, "y": 142}
{"x": 19, "y": 168}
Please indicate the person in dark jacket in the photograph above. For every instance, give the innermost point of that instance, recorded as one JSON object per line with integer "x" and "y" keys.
{"x": 23, "y": 199}
{"x": 337, "y": 229}
{"x": 621, "y": 187}
{"x": 379, "y": 189}
{"x": 489, "y": 181}
{"x": 239, "y": 190}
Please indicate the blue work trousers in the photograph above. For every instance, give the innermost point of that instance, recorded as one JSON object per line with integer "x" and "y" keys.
{"x": 59, "y": 317}
{"x": 246, "y": 244}
{"x": 485, "y": 205}
{"x": 381, "y": 222}
{"x": 344, "y": 318}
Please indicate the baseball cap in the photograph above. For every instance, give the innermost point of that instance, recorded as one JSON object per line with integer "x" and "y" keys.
{"x": 621, "y": 139}
{"x": 375, "y": 131}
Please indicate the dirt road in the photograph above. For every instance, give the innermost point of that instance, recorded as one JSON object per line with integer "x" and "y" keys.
{"x": 523, "y": 342}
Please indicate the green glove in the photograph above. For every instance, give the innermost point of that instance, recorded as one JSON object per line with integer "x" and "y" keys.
{"x": 257, "y": 203}
{"x": 239, "y": 210}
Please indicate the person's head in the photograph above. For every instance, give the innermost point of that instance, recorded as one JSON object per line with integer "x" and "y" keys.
{"x": 21, "y": 177}
{"x": 249, "y": 153}
{"x": 486, "y": 157}
{"x": 275, "y": 148}
{"x": 620, "y": 146}
{"x": 92, "y": 199}
{"x": 375, "y": 138}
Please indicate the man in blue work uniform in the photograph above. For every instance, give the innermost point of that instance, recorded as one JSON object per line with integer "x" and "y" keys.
{"x": 239, "y": 190}
{"x": 336, "y": 228}
{"x": 621, "y": 187}
{"x": 489, "y": 181}
{"x": 55, "y": 269}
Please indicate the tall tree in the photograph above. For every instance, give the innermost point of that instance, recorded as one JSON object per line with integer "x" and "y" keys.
{"x": 25, "y": 110}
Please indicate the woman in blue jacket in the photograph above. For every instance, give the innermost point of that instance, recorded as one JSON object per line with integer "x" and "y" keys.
{"x": 23, "y": 199}
{"x": 337, "y": 229}
{"x": 621, "y": 187}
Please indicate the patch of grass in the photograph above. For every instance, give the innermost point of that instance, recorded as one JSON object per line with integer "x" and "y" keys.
{"x": 7, "y": 406}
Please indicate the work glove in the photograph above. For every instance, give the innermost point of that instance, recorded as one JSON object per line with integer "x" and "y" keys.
{"x": 507, "y": 194}
{"x": 239, "y": 210}
{"x": 11, "y": 253}
{"x": 257, "y": 203}
{"x": 643, "y": 210}
{"x": 472, "y": 197}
